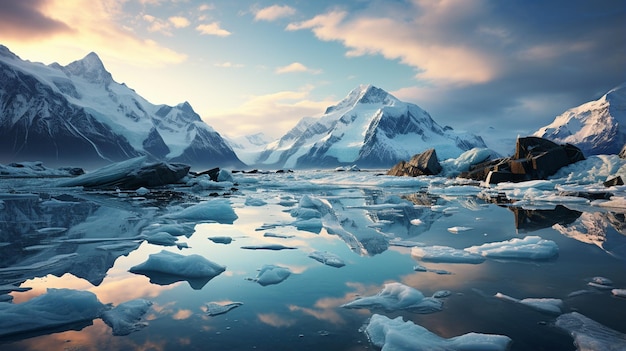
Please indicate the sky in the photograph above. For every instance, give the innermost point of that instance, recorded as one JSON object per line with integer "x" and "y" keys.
{"x": 492, "y": 67}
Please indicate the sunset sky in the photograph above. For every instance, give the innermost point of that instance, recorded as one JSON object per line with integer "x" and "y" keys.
{"x": 251, "y": 66}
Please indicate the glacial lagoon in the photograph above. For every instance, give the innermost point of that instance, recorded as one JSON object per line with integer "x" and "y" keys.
{"x": 312, "y": 260}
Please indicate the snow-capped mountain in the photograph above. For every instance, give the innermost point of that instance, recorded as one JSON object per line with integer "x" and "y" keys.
{"x": 369, "y": 128}
{"x": 596, "y": 127}
{"x": 77, "y": 114}
{"x": 248, "y": 147}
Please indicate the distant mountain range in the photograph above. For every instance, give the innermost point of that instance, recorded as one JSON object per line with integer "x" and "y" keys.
{"x": 369, "y": 128}
{"x": 78, "y": 115}
{"x": 596, "y": 127}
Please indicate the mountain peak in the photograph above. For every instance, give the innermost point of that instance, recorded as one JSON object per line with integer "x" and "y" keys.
{"x": 5, "y": 52}
{"x": 91, "y": 68}
{"x": 364, "y": 94}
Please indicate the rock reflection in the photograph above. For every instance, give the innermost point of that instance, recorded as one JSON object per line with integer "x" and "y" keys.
{"x": 532, "y": 220}
{"x": 607, "y": 230}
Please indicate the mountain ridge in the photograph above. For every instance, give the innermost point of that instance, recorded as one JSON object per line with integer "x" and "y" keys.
{"x": 78, "y": 114}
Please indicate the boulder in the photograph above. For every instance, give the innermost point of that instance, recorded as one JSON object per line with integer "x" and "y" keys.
{"x": 131, "y": 174}
{"x": 425, "y": 163}
{"x": 614, "y": 181}
{"x": 622, "y": 154}
{"x": 534, "y": 158}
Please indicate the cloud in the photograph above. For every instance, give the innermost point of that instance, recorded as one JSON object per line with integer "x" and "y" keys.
{"x": 282, "y": 110}
{"x": 179, "y": 21}
{"x": 296, "y": 67}
{"x": 25, "y": 20}
{"x": 413, "y": 37}
{"x": 213, "y": 29}
{"x": 99, "y": 30}
{"x": 274, "y": 12}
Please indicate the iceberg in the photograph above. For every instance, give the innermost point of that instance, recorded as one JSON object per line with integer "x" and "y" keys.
{"x": 274, "y": 247}
{"x": 221, "y": 239}
{"x": 270, "y": 274}
{"x": 445, "y": 254}
{"x": 167, "y": 267}
{"x": 216, "y": 210}
{"x": 56, "y": 309}
{"x": 590, "y": 335}
{"x": 327, "y": 258}
{"x": 216, "y": 308}
{"x": 125, "y": 318}
{"x": 161, "y": 238}
{"x": 397, "y": 296}
{"x": 398, "y": 335}
{"x": 548, "y": 305}
{"x": 528, "y": 248}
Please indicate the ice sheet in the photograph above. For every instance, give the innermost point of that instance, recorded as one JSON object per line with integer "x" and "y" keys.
{"x": 398, "y": 335}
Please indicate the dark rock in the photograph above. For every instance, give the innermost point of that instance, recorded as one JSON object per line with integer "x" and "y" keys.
{"x": 213, "y": 173}
{"x": 131, "y": 174}
{"x": 425, "y": 163}
{"x": 622, "y": 154}
{"x": 614, "y": 181}
{"x": 534, "y": 158}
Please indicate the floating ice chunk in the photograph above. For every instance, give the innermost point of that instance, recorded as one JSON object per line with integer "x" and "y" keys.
{"x": 397, "y": 296}
{"x": 275, "y": 247}
{"x": 398, "y": 335}
{"x": 175, "y": 229}
{"x": 270, "y": 274}
{"x": 420, "y": 268}
{"x": 548, "y": 305}
{"x": 125, "y": 318}
{"x": 192, "y": 266}
{"x": 327, "y": 258}
{"x": 601, "y": 283}
{"x": 142, "y": 191}
{"x": 221, "y": 239}
{"x": 619, "y": 292}
{"x": 442, "y": 293}
{"x": 54, "y": 309}
{"x": 250, "y": 201}
{"x": 445, "y": 254}
{"x": 224, "y": 176}
{"x": 404, "y": 243}
{"x": 589, "y": 334}
{"x": 215, "y": 308}
{"x": 162, "y": 238}
{"x": 528, "y": 248}
{"x": 275, "y": 235}
{"x": 123, "y": 246}
{"x": 417, "y": 222}
{"x": 216, "y": 210}
{"x": 457, "y": 230}
{"x": 51, "y": 230}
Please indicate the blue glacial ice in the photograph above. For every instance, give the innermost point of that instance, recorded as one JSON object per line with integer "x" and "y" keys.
{"x": 126, "y": 317}
{"x": 217, "y": 308}
{"x": 398, "y": 335}
{"x": 445, "y": 254}
{"x": 547, "y": 305}
{"x": 397, "y": 296}
{"x": 590, "y": 335}
{"x": 191, "y": 266}
{"x": 528, "y": 248}
{"x": 271, "y": 274}
{"x": 215, "y": 210}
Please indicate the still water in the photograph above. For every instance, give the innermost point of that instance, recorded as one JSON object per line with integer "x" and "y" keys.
{"x": 89, "y": 240}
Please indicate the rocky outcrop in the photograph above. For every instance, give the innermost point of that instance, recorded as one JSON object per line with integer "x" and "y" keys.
{"x": 622, "y": 154}
{"x": 425, "y": 163}
{"x": 534, "y": 158}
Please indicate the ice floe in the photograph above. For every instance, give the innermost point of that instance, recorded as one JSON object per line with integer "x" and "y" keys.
{"x": 252, "y": 201}
{"x": 162, "y": 238}
{"x": 619, "y": 292}
{"x": 590, "y": 335}
{"x": 327, "y": 258}
{"x": 601, "y": 283}
{"x": 275, "y": 235}
{"x": 398, "y": 335}
{"x": 54, "y": 309}
{"x": 221, "y": 239}
{"x": 126, "y": 317}
{"x": 216, "y": 210}
{"x": 528, "y": 248}
{"x": 175, "y": 229}
{"x": 446, "y": 254}
{"x": 167, "y": 267}
{"x": 459, "y": 229}
{"x": 271, "y": 274}
{"x": 548, "y": 305}
{"x": 217, "y": 308}
{"x": 397, "y": 296}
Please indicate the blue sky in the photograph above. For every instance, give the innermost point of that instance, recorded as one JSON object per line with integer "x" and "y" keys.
{"x": 486, "y": 66}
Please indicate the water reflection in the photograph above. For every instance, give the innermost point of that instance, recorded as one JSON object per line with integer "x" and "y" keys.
{"x": 532, "y": 220}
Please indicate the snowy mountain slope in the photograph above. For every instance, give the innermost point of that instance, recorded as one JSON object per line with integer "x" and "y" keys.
{"x": 79, "y": 114}
{"x": 370, "y": 128}
{"x": 596, "y": 127}
{"x": 248, "y": 147}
